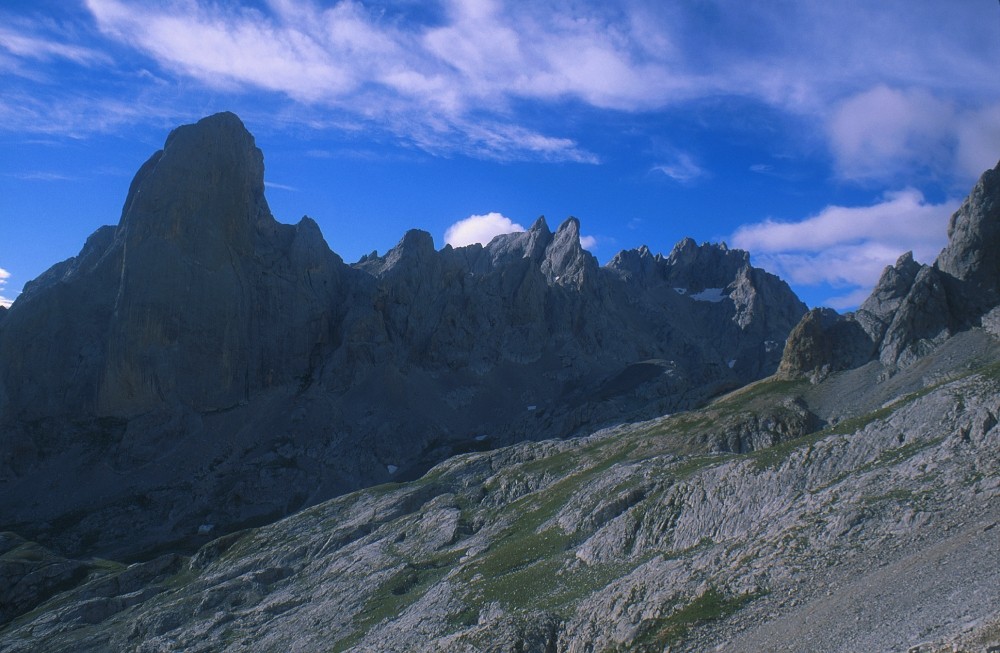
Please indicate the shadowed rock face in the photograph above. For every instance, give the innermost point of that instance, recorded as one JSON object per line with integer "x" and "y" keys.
{"x": 914, "y": 307}
{"x": 216, "y": 300}
{"x": 229, "y": 368}
{"x": 974, "y": 242}
{"x": 198, "y": 298}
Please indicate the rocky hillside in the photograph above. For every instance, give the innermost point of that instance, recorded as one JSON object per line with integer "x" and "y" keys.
{"x": 201, "y": 367}
{"x": 877, "y": 532}
{"x": 853, "y": 506}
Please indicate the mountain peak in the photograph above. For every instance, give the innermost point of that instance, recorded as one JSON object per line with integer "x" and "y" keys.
{"x": 201, "y": 322}
{"x": 540, "y": 225}
{"x": 206, "y": 185}
{"x": 974, "y": 239}
{"x": 565, "y": 258}
{"x": 913, "y": 308}
{"x": 571, "y": 226}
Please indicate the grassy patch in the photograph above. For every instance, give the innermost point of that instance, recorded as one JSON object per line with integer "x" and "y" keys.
{"x": 772, "y": 457}
{"x": 693, "y": 464}
{"x": 991, "y": 371}
{"x": 521, "y": 569}
{"x": 399, "y": 592}
{"x": 713, "y": 605}
{"x": 891, "y": 456}
{"x": 765, "y": 393}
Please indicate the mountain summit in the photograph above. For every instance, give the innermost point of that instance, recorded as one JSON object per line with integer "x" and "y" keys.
{"x": 232, "y": 368}
{"x": 913, "y": 307}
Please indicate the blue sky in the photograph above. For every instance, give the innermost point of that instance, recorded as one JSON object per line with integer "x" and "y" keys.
{"x": 825, "y": 137}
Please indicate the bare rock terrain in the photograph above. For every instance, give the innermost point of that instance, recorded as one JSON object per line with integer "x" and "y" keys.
{"x": 878, "y": 533}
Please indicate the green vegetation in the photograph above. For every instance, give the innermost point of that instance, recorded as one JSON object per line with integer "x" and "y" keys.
{"x": 892, "y": 456}
{"x": 401, "y": 590}
{"x": 772, "y": 457}
{"x": 766, "y": 392}
{"x": 655, "y": 634}
{"x": 526, "y": 567}
{"x": 692, "y": 464}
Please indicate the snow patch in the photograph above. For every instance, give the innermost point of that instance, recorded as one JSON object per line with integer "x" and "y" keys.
{"x": 681, "y": 291}
{"x": 713, "y": 295}
{"x": 392, "y": 469}
{"x": 532, "y": 407}
{"x": 731, "y": 363}
{"x": 480, "y": 438}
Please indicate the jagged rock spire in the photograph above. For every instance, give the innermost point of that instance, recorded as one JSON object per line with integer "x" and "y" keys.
{"x": 913, "y": 307}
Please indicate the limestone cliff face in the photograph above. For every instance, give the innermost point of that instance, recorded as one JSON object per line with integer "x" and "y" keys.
{"x": 914, "y": 307}
{"x": 216, "y": 300}
{"x": 198, "y": 297}
{"x": 974, "y": 242}
{"x": 202, "y": 337}
{"x": 690, "y": 531}
{"x": 744, "y": 311}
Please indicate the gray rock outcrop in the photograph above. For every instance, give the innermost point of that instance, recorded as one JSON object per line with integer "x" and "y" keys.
{"x": 973, "y": 242}
{"x": 914, "y": 307}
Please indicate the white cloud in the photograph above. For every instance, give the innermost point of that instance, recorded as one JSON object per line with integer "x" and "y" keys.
{"x": 588, "y": 242}
{"x": 241, "y": 46}
{"x": 271, "y": 184}
{"x": 502, "y": 142}
{"x": 682, "y": 168}
{"x": 978, "y": 134}
{"x": 479, "y": 229}
{"x": 41, "y": 176}
{"x": 848, "y": 247}
{"x": 886, "y": 83}
{"x": 79, "y": 115}
{"x": 878, "y": 133}
{"x": 419, "y": 82}
{"x": 4, "y": 301}
{"x": 28, "y": 46}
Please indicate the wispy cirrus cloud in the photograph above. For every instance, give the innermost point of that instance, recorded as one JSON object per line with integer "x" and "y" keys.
{"x": 25, "y": 45}
{"x": 39, "y": 175}
{"x": 411, "y": 81}
{"x": 848, "y": 247}
{"x": 681, "y": 168}
{"x": 457, "y": 75}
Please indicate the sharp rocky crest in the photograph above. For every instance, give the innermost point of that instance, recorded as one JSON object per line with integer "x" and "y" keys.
{"x": 233, "y": 368}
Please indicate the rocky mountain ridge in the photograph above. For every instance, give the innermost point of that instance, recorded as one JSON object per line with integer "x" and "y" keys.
{"x": 201, "y": 367}
{"x": 877, "y": 530}
{"x": 913, "y": 307}
{"x": 852, "y": 501}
